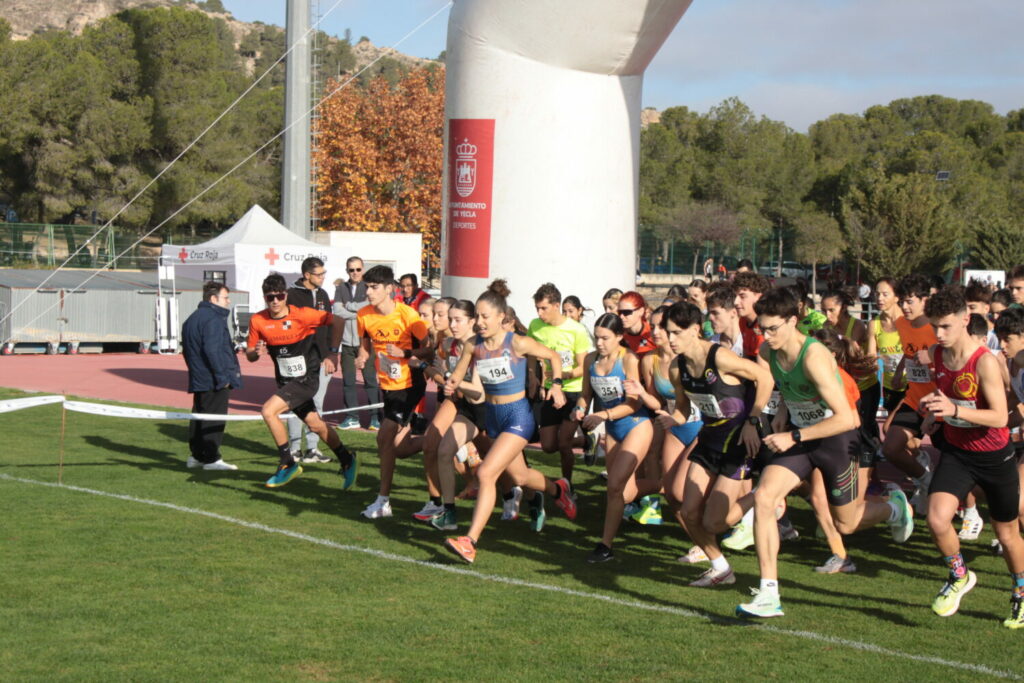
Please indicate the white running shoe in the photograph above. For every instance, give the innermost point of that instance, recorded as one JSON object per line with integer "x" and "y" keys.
{"x": 378, "y": 509}
{"x": 462, "y": 454}
{"x": 220, "y": 465}
{"x": 510, "y": 508}
{"x": 837, "y": 565}
{"x": 695, "y": 555}
{"x": 971, "y": 528}
{"x": 313, "y": 455}
{"x": 714, "y": 577}
{"x": 429, "y": 511}
{"x": 192, "y": 463}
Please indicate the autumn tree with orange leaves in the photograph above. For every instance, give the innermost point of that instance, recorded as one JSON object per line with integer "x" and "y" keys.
{"x": 380, "y": 157}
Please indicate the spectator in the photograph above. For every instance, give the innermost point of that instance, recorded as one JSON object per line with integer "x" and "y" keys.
{"x": 349, "y": 297}
{"x": 409, "y": 291}
{"x": 212, "y": 373}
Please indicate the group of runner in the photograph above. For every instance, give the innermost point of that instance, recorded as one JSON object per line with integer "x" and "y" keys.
{"x": 695, "y": 400}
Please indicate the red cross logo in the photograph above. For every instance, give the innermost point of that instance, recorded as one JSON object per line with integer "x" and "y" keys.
{"x": 183, "y": 254}
{"x": 271, "y": 256}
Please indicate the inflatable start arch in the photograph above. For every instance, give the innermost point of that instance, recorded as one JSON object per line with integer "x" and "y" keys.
{"x": 542, "y": 143}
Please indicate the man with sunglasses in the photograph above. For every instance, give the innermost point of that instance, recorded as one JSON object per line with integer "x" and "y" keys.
{"x": 287, "y": 333}
{"x": 308, "y": 292}
{"x": 349, "y": 297}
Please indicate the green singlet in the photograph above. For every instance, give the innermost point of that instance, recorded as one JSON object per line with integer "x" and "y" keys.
{"x": 568, "y": 339}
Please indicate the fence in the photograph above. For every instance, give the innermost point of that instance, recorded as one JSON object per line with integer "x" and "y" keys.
{"x": 47, "y": 245}
{"x": 671, "y": 257}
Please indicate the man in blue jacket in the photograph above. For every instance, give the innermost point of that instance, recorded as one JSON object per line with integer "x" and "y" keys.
{"x": 212, "y": 373}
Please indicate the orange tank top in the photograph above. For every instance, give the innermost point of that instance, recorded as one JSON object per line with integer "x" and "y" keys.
{"x": 917, "y": 376}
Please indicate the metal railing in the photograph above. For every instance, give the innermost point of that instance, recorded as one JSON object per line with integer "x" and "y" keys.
{"x": 47, "y": 245}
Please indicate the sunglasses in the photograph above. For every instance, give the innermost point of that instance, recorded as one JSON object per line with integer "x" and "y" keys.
{"x": 355, "y": 270}
{"x": 627, "y": 311}
{"x": 320, "y": 274}
{"x": 275, "y": 296}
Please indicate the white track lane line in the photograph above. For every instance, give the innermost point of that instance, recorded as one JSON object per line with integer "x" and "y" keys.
{"x": 675, "y": 611}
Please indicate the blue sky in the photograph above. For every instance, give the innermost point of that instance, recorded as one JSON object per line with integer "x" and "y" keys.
{"x": 796, "y": 61}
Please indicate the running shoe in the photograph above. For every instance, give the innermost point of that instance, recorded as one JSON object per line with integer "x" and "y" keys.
{"x": 741, "y": 538}
{"x": 604, "y": 475}
{"x": 786, "y": 530}
{"x": 996, "y": 547}
{"x": 193, "y": 464}
{"x": 591, "y": 443}
{"x": 763, "y": 605}
{"x": 904, "y": 524}
{"x": 429, "y": 511}
{"x": 220, "y": 465}
{"x": 510, "y": 507}
{"x": 564, "y": 500}
{"x": 650, "y": 511}
{"x": 348, "y": 474}
{"x": 1016, "y": 619}
{"x": 313, "y": 455}
{"x": 971, "y": 528}
{"x": 462, "y": 546}
{"x": 350, "y": 422}
{"x": 444, "y": 520}
{"x": 947, "y": 602}
{"x": 374, "y": 425}
{"x": 630, "y": 509}
{"x": 837, "y": 565}
{"x": 462, "y": 454}
{"x": 537, "y": 513}
{"x": 378, "y": 509}
{"x": 714, "y": 577}
{"x": 695, "y": 555}
{"x": 284, "y": 475}
{"x": 600, "y": 553}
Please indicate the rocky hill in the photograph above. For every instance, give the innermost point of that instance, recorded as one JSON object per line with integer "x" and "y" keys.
{"x": 29, "y": 17}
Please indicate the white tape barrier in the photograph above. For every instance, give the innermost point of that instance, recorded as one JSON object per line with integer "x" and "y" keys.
{"x": 143, "y": 414}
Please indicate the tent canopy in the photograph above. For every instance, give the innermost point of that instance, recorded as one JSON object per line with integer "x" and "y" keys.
{"x": 256, "y": 227}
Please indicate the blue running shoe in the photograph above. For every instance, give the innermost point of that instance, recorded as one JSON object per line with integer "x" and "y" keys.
{"x": 284, "y": 475}
{"x": 348, "y": 475}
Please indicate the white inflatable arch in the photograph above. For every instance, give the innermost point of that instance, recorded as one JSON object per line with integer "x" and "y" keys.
{"x": 542, "y": 143}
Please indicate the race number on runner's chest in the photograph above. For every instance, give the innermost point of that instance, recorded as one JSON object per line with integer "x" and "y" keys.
{"x": 390, "y": 367}
{"x": 494, "y": 370}
{"x": 807, "y": 413}
{"x": 607, "y": 388}
{"x": 291, "y": 366}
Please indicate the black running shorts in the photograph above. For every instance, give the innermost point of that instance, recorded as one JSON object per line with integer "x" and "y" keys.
{"x": 995, "y": 472}
{"x": 836, "y": 457}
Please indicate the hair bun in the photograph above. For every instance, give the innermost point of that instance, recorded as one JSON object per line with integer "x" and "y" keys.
{"x": 499, "y": 287}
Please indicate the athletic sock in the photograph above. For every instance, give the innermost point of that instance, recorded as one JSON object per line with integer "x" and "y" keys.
{"x": 770, "y": 586}
{"x": 720, "y": 564}
{"x": 436, "y": 500}
{"x": 344, "y": 455}
{"x": 748, "y": 517}
{"x": 1018, "y": 586}
{"x": 894, "y": 511}
{"x": 957, "y": 566}
{"x": 284, "y": 454}
{"x": 509, "y": 495}
{"x": 971, "y": 512}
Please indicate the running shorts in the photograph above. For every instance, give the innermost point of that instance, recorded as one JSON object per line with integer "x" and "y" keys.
{"x": 400, "y": 404}
{"x": 995, "y": 472}
{"x": 836, "y": 457}
{"x": 550, "y": 416}
{"x": 298, "y": 394}
{"x": 515, "y": 418}
{"x": 733, "y": 464}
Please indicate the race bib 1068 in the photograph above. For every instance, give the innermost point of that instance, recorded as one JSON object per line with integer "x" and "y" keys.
{"x": 807, "y": 413}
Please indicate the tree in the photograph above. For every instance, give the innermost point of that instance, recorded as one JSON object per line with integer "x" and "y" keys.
{"x": 380, "y": 157}
{"x": 818, "y": 240}
{"x": 699, "y": 222}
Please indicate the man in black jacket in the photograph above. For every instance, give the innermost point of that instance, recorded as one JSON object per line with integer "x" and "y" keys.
{"x": 212, "y": 373}
{"x": 308, "y": 292}
{"x": 349, "y": 297}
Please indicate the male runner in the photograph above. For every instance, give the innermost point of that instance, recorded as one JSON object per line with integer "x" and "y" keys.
{"x": 821, "y": 435}
{"x": 391, "y": 330}
{"x": 976, "y": 451}
{"x": 570, "y": 340}
{"x": 287, "y": 332}
{"x": 1015, "y": 283}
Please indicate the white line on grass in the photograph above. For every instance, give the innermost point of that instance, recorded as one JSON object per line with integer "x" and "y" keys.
{"x": 675, "y": 611}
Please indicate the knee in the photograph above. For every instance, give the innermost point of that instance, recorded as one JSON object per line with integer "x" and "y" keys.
{"x": 269, "y": 413}
{"x": 714, "y": 525}
{"x": 1008, "y": 533}
{"x": 765, "y": 501}
{"x": 843, "y": 526}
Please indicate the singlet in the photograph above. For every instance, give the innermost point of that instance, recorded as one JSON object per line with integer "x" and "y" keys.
{"x": 917, "y": 376}
{"x": 1017, "y": 383}
{"x": 961, "y": 386}
{"x": 723, "y": 407}
{"x": 568, "y": 339}
{"x": 290, "y": 341}
{"x": 737, "y": 344}
{"x": 399, "y": 327}
{"x": 804, "y": 403}
{"x": 609, "y": 390}
{"x": 890, "y": 350}
{"x": 640, "y": 344}
{"x": 502, "y": 371}
{"x": 870, "y": 379}
{"x": 752, "y": 339}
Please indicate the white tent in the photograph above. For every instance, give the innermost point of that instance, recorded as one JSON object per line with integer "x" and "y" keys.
{"x": 251, "y": 249}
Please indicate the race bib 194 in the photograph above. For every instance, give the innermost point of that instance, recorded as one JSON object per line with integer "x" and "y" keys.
{"x": 494, "y": 370}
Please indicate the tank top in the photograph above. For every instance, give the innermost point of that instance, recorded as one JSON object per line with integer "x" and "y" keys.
{"x": 609, "y": 390}
{"x": 961, "y": 386}
{"x": 723, "y": 407}
{"x": 917, "y": 376}
{"x": 502, "y": 371}
{"x": 864, "y": 381}
{"x": 890, "y": 350}
{"x": 664, "y": 386}
{"x": 640, "y": 344}
{"x": 805, "y": 405}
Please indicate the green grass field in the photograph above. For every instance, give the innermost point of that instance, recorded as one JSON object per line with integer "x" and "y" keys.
{"x": 99, "y": 587}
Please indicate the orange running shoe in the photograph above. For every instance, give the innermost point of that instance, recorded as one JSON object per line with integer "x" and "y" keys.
{"x": 564, "y": 499}
{"x": 462, "y": 546}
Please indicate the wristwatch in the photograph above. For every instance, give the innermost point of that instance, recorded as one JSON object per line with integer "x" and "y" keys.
{"x": 335, "y": 349}
{"x": 797, "y": 437}
{"x": 557, "y": 380}
{"x": 754, "y": 420}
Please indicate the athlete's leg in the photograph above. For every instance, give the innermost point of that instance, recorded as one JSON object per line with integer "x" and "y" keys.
{"x": 271, "y": 412}
{"x": 460, "y": 433}
{"x": 822, "y": 512}
{"x": 724, "y": 505}
{"x": 439, "y": 426}
{"x": 696, "y": 486}
{"x": 941, "y": 510}
{"x": 776, "y": 483}
{"x": 566, "y": 443}
{"x": 899, "y": 448}
{"x": 621, "y": 481}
